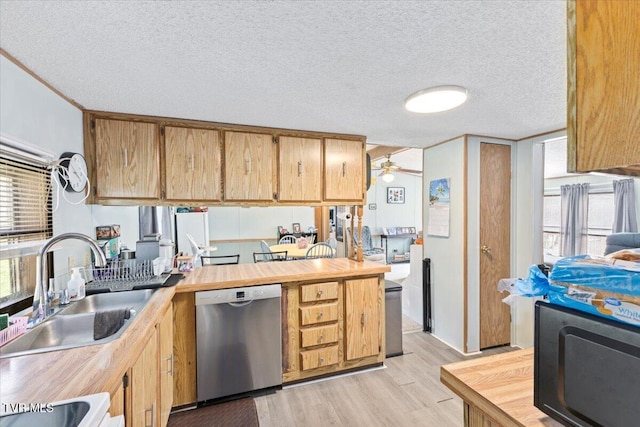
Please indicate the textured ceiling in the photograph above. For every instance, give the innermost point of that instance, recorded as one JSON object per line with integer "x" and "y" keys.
{"x": 323, "y": 65}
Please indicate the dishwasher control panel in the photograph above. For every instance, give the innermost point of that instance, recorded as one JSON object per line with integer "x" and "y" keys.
{"x": 249, "y": 293}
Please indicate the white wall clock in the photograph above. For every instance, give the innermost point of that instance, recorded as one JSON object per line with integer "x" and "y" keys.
{"x": 74, "y": 178}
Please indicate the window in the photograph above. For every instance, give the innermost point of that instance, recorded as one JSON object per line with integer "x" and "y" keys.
{"x": 599, "y": 221}
{"x": 25, "y": 220}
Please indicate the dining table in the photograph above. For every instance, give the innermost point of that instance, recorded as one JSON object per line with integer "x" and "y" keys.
{"x": 293, "y": 251}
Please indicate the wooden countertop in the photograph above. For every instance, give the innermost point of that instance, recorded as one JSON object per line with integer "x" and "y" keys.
{"x": 64, "y": 374}
{"x": 234, "y": 276}
{"x": 501, "y": 386}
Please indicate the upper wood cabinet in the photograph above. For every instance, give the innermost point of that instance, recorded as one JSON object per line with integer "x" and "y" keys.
{"x": 129, "y": 160}
{"x": 603, "y": 123}
{"x": 300, "y": 169}
{"x": 362, "y": 318}
{"x": 249, "y": 166}
{"x": 344, "y": 170}
{"x": 140, "y": 160}
{"x": 193, "y": 164}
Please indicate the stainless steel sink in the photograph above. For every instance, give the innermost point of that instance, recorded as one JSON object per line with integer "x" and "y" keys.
{"x": 110, "y": 301}
{"x": 74, "y": 325}
{"x": 68, "y": 414}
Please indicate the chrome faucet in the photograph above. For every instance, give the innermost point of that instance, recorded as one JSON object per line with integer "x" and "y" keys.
{"x": 41, "y": 298}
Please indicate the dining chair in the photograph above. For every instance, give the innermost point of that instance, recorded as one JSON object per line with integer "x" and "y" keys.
{"x": 197, "y": 252}
{"x": 220, "y": 259}
{"x": 284, "y": 240}
{"x": 269, "y": 256}
{"x": 333, "y": 242}
{"x": 319, "y": 250}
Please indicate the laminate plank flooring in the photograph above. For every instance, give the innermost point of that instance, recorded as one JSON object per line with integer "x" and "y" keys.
{"x": 407, "y": 392}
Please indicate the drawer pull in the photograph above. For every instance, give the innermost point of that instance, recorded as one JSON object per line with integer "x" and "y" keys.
{"x": 320, "y": 338}
{"x": 320, "y": 293}
{"x": 364, "y": 318}
{"x": 321, "y": 359}
{"x": 344, "y": 169}
{"x": 125, "y": 157}
{"x": 320, "y": 315}
{"x": 299, "y": 168}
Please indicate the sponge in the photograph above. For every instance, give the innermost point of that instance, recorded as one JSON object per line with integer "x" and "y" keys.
{"x": 4, "y": 321}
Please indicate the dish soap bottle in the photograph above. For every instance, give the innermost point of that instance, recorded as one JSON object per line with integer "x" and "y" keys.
{"x": 76, "y": 285}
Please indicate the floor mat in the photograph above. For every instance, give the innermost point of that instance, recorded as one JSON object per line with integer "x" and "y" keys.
{"x": 236, "y": 413}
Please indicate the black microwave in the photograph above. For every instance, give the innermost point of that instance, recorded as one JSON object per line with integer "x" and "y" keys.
{"x": 586, "y": 368}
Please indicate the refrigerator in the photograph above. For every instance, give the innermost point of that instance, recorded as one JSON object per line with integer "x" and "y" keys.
{"x": 194, "y": 223}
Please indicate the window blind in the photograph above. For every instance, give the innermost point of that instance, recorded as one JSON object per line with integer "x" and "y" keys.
{"x": 25, "y": 216}
{"x": 25, "y": 202}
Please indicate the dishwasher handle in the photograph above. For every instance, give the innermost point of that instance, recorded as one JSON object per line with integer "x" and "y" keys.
{"x": 240, "y": 304}
{"x": 238, "y": 295}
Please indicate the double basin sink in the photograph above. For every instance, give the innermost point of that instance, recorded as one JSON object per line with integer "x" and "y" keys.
{"x": 73, "y": 326}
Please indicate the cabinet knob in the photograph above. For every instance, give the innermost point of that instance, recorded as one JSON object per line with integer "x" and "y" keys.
{"x": 320, "y": 293}
{"x": 320, "y": 338}
{"x": 485, "y": 249}
{"x": 321, "y": 359}
{"x": 320, "y": 315}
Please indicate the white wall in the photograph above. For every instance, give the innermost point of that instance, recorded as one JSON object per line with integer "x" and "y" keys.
{"x": 31, "y": 112}
{"x": 447, "y": 281}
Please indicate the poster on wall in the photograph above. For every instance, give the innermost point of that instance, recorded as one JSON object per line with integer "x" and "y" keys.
{"x": 439, "y": 208}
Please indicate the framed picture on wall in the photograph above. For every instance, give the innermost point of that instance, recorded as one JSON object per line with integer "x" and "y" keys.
{"x": 296, "y": 227}
{"x": 395, "y": 194}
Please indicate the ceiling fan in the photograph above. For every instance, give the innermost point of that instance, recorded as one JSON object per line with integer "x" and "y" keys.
{"x": 388, "y": 168}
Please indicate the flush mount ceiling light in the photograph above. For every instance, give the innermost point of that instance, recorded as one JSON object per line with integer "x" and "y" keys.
{"x": 436, "y": 99}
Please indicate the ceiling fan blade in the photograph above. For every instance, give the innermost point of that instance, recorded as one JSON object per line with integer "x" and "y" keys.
{"x": 410, "y": 171}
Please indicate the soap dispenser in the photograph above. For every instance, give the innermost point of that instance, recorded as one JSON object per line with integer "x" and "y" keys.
{"x": 76, "y": 285}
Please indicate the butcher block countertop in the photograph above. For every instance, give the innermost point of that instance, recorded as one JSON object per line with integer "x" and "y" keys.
{"x": 261, "y": 273}
{"x": 500, "y": 386}
{"x": 64, "y": 374}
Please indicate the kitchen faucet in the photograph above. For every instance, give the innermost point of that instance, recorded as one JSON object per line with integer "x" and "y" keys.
{"x": 41, "y": 298}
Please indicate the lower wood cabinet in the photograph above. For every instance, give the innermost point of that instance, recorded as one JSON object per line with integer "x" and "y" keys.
{"x": 332, "y": 326}
{"x": 148, "y": 384}
{"x": 143, "y": 386}
{"x": 327, "y": 327}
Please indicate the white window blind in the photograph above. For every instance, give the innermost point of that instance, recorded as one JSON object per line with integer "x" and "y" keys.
{"x": 25, "y": 216}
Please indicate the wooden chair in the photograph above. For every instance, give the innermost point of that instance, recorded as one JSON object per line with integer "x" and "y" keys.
{"x": 285, "y": 240}
{"x": 333, "y": 242}
{"x": 220, "y": 259}
{"x": 319, "y": 250}
{"x": 269, "y": 256}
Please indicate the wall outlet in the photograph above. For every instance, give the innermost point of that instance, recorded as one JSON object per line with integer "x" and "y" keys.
{"x": 87, "y": 258}
{"x": 71, "y": 262}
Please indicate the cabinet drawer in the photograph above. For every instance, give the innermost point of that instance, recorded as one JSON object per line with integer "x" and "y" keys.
{"x": 319, "y": 335}
{"x": 312, "y": 359}
{"x": 318, "y": 313}
{"x": 319, "y": 292}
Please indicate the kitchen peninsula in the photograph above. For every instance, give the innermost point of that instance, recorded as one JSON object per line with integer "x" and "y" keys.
{"x": 496, "y": 390}
{"x": 350, "y": 287}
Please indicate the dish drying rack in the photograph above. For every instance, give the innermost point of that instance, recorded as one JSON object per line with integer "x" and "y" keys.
{"x": 126, "y": 275}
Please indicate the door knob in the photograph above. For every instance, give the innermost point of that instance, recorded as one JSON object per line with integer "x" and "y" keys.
{"x": 485, "y": 249}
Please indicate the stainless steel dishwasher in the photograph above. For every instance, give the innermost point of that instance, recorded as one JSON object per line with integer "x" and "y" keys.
{"x": 238, "y": 340}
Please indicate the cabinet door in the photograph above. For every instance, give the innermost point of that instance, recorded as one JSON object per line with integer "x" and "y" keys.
{"x": 362, "y": 318}
{"x": 603, "y": 86}
{"x": 192, "y": 164}
{"x": 300, "y": 169}
{"x": 165, "y": 391}
{"x": 343, "y": 170}
{"x": 127, "y": 160}
{"x": 249, "y": 166}
{"x": 144, "y": 386}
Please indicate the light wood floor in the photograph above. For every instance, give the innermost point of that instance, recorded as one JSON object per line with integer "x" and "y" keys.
{"x": 407, "y": 393}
